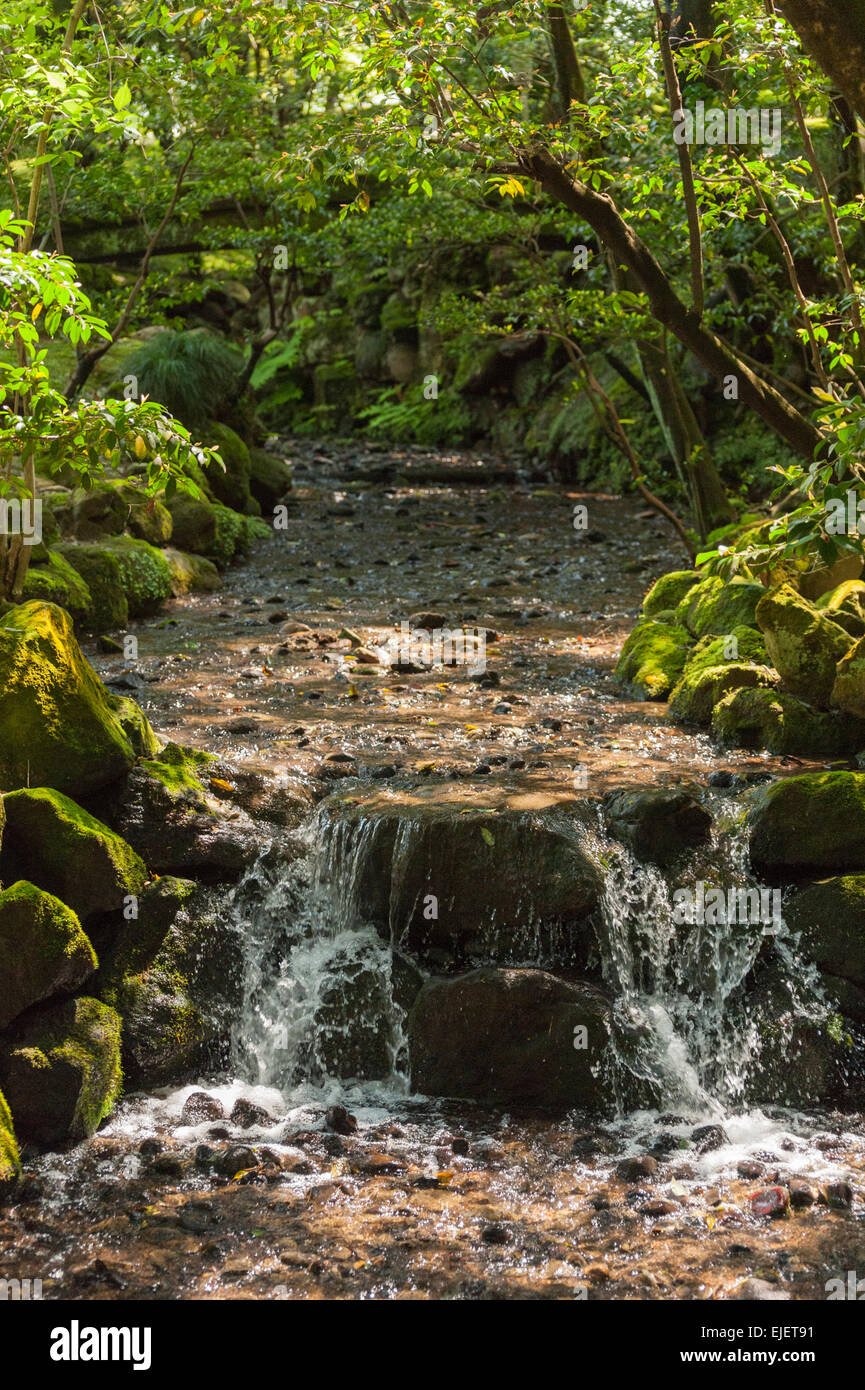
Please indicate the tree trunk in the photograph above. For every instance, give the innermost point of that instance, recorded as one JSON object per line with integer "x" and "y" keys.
{"x": 833, "y": 32}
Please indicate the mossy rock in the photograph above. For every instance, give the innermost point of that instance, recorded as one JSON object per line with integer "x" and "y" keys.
{"x": 92, "y": 514}
{"x": 813, "y": 584}
{"x": 191, "y": 574}
{"x": 43, "y": 950}
{"x": 803, "y": 644}
{"x": 56, "y": 581}
{"x": 269, "y": 478}
{"x": 762, "y": 718}
{"x": 810, "y": 825}
{"x": 846, "y": 606}
{"x": 848, "y": 688}
{"x": 101, "y": 572}
{"x": 229, "y": 485}
{"x": 742, "y": 645}
{"x": 54, "y": 843}
{"x": 193, "y": 524}
{"x": 60, "y": 1071}
{"x": 10, "y": 1159}
{"x": 57, "y": 724}
{"x": 138, "y": 941}
{"x": 668, "y": 591}
{"x": 135, "y": 724}
{"x": 830, "y": 915}
{"x": 715, "y": 608}
{"x": 145, "y": 574}
{"x": 653, "y": 659}
{"x": 660, "y": 824}
{"x": 699, "y": 691}
{"x": 179, "y": 768}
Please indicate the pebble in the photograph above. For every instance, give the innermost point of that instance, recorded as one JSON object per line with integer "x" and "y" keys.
{"x": 245, "y": 1114}
{"x": 770, "y": 1201}
{"x": 749, "y": 1168}
{"x": 199, "y": 1107}
{"x": 709, "y": 1137}
{"x": 339, "y": 1121}
{"x": 838, "y": 1195}
{"x": 802, "y": 1194}
{"x": 630, "y": 1169}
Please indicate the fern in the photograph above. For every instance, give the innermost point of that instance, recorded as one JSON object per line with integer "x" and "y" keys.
{"x": 190, "y": 373}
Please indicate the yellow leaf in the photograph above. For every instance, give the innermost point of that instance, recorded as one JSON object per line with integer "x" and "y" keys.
{"x": 445, "y": 1178}
{"x": 140, "y": 447}
{"x": 223, "y": 786}
{"x": 36, "y": 312}
{"x": 352, "y": 693}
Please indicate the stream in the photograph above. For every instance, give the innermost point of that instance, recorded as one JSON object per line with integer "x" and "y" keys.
{"x": 312, "y": 1169}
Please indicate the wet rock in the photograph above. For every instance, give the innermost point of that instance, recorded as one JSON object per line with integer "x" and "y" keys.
{"x": 60, "y": 1070}
{"x": 835, "y": 1194}
{"x": 722, "y": 778}
{"x": 509, "y": 1036}
{"x": 709, "y": 1137}
{"x": 653, "y": 659}
{"x": 632, "y": 1169}
{"x": 496, "y": 1235}
{"x": 235, "y": 1159}
{"x": 802, "y": 1194}
{"x": 246, "y": 1114}
{"x": 658, "y": 823}
{"x": 459, "y": 1146}
{"x": 429, "y": 619}
{"x": 699, "y": 691}
{"x": 658, "y": 1206}
{"x": 760, "y": 1291}
{"x": 750, "y": 1168}
{"x": 200, "y": 1107}
{"x": 764, "y": 718}
{"x": 830, "y": 916}
{"x": 770, "y": 1201}
{"x": 339, "y": 1121}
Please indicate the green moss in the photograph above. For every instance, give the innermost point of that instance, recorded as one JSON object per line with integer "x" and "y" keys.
{"x": 57, "y": 726}
{"x": 230, "y": 485}
{"x": 178, "y": 768}
{"x": 10, "y": 1159}
{"x": 54, "y": 843}
{"x": 135, "y": 725}
{"x": 700, "y": 689}
{"x": 145, "y": 574}
{"x": 43, "y": 950}
{"x": 831, "y": 919}
{"x": 232, "y": 535}
{"x": 56, "y": 581}
{"x": 810, "y": 824}
{"x": 759, "y": 718}
{"x": 100, "y": 570}
{"x": 715, "y": 608}
{"x": 653, "y": 659}
{"x": 803, "y": 644}
{"x": 848, "y": 688}
{"x": 61, "y": 1071}
{"x": 743, "y": 644}
{"x": 269, "y": 478}
{"x": 846, "y": 606}
{"x": 669, "y": 591}
{"x": 163, "y": 1031}
{"x": 191, "y": 574}
{"x": 139, "y": 941}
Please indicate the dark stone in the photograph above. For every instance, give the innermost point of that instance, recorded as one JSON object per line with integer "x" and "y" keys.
{"x": 709, "y": 1137}
{"x": 200, "y": 1107}
{"x": 632, "y": 1169}
{"x": 658, "y": 823}
{"x": 339, "y": 1120}
{"x": 245, "y": 1114}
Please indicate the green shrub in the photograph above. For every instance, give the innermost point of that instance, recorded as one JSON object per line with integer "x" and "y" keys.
{"x": 190, "y": 373}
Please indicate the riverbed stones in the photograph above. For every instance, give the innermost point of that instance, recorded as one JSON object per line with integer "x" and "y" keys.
{"x": 43, "y": 950}
{"x": 810, "y": 825}
{"x": 510, "y": 1036}
{"x": 60, "y": 1071}
{"x": 803, "y": 643}
{"x": 58, "y": 727}
{"x": 658, "y": 823}
{"x": 55, "y": 843}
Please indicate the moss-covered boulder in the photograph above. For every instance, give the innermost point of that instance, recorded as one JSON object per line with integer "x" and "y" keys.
{"x": 845, "y": 605}
{"x": 191, "y": 574}
{"x": 714, "y": 607}
{"x": 269, "y": 478}
{"x": 163, "y": 1032}
{"x": 763, "y": 718}
{"x": 135, "y": 944}
{"x": 668, "y": 591}
{"x": 147, "y": 518}
{"x": 193, "y": 523}
{"x": 54, "y": 843}
{"x": 57, "y": 725}
{"x": 91, "y": 514}
{"x": 812, "y": 825}
{"x": 830, "y": 915}
{"x": 848, "y": 689}
{"x": 231, "y": 484}
{"x": 742, "y": 645}
{"x": 43, "y": 950}
{"x": 804, "y": 645}
{"x": 653, "y": 659}
{"x": 135, "y": 724}
{"x": 700, "y": 689}
{"x": 10, "y": 1159}
{"x": 100, "y": 570}
{"x": 60, "y": 1071}
{"x": 56, "y": 581}
{"x": 145, "y": 574}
